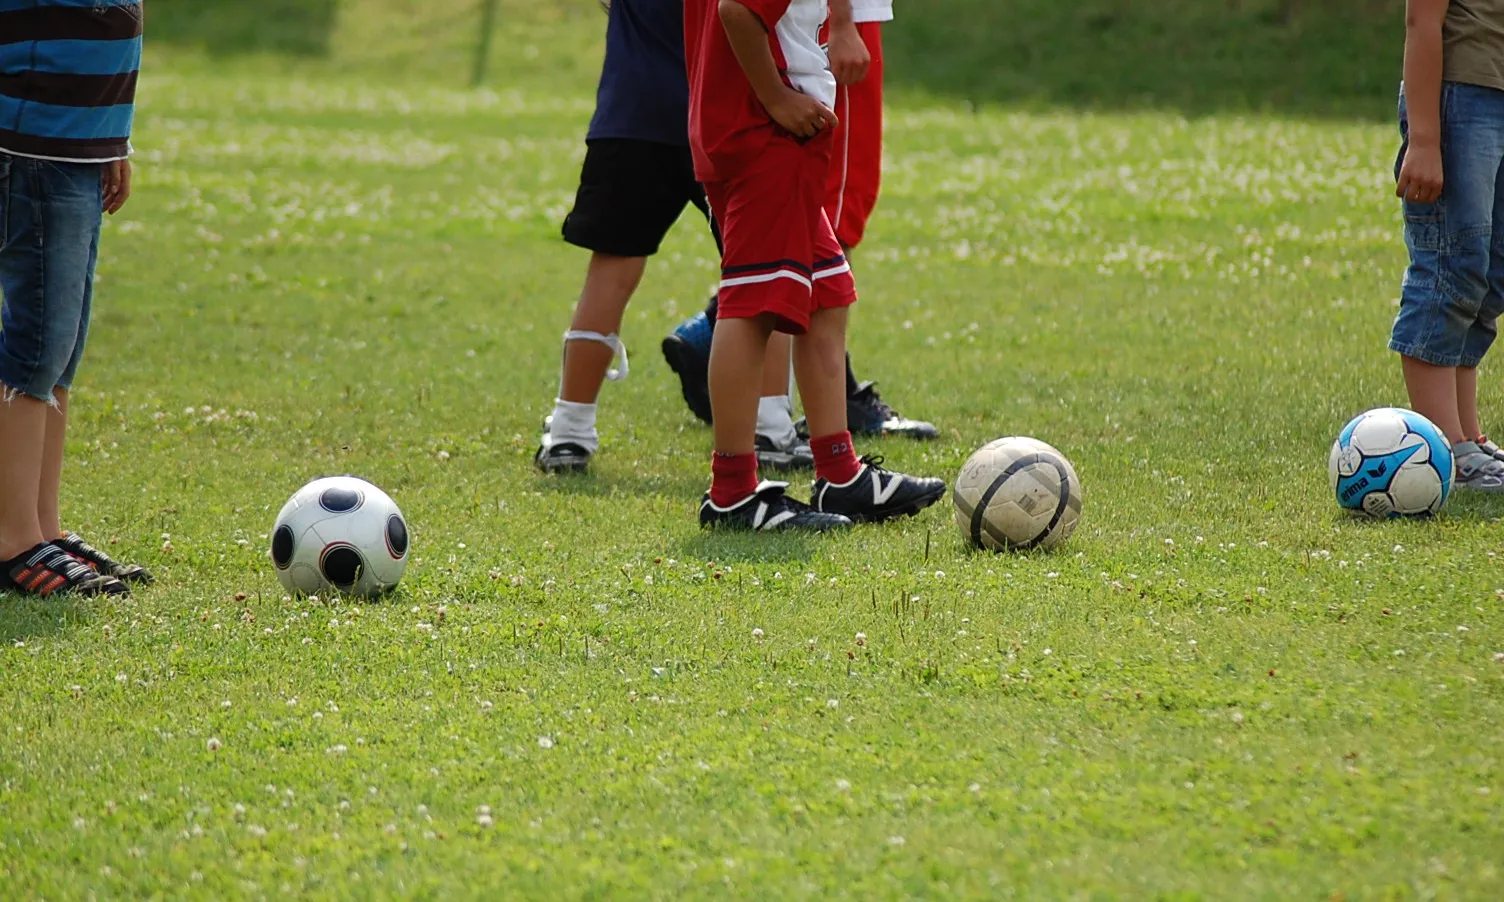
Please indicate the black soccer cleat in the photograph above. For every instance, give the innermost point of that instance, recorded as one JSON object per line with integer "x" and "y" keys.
{"x": 687, "y": 350}
{"x": 560, "y": 457}
{"x": 877, "y": 494}
{"x": 769, "y": 509}
{"x": 102, "y": 563}
{"x": 868, "y": 414}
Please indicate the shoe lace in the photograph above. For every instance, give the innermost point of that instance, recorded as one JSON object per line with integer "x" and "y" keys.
{"x": 875, "y": 461}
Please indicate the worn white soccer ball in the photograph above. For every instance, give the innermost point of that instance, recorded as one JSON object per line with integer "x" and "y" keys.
{"x": 1391, "y": 462}
{"x": 1015, "y": 494}
{"x": 340, "y": 534}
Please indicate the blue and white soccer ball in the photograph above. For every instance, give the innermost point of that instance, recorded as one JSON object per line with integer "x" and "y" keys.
{"x": 1391, "y": 462}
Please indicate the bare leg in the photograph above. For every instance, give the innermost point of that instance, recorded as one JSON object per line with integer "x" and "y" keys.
{"x": 1467, "y": 401}
{"x": 609, "y": 284}
{"x": 1433, "y": 394}
{"x": 775, "y": 369}
{"x": 736, "y": 374}
{"x": 23, "y": 432}
{"x": 820, "y": 369}
{"x": 50, "y": 491}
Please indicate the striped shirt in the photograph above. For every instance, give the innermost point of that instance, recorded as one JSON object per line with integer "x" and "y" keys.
{"x": 68, "y": 78}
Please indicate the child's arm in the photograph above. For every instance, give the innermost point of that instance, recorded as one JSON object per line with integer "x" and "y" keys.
{"x": 802, "y": 115}
{"x": 849, "y": 57}
{"x": 1421, "y": 175}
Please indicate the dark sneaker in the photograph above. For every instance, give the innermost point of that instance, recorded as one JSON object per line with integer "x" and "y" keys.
{"x": 796, "y": 455}
{"x": 560, "y": 457}
{"x": 687, "y": 350}
{"x": 867, "y": 414}
{"x": 769, "y": 510}
{"x": 100, "y": 562}
{"x": 877, "y": 494}
{"x": 48, "y": 570}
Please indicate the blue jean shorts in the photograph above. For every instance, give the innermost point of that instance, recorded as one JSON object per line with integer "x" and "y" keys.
{"x": 49, "y": 241}
{"x": 1453, "y": 291}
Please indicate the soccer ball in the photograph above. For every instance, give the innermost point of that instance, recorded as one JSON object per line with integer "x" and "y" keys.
{"x": 1391, "y": 463}
{"x": 1015, "y": 494}
{"x": 340, "y": 533}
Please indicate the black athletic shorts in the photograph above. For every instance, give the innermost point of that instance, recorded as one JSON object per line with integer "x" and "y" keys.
{"x": 631, "y": 194}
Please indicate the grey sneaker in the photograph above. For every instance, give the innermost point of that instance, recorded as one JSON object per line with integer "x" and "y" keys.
{"x": 795, "y": 455}
{"x": 1491, "y": 448}
{"x": 1477, "y": 470}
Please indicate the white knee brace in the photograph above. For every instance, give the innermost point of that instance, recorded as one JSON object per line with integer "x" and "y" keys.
{"x": 613, "y": 342}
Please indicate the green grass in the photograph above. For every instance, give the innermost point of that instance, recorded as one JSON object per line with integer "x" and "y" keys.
{"x": 1218, "y": 689}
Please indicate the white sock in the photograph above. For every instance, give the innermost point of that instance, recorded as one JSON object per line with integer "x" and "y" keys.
{"x": 775, "y": 419}
{"x": 574, "y": 423}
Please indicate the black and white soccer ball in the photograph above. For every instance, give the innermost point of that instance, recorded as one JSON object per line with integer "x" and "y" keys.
{"x": 1391, "y": 462}
{"x": 340, "y": 534}
{"x": 1015, "y": 494}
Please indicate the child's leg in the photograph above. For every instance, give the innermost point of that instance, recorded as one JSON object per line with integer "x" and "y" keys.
{"x": 775, "y": 416}
{"x": 736, "y": 367}
{"x": 609, "y": 285}
{"x": 23, "y": 428}
{"x": 820, "y": 369}
{"x": 1467, "y": 402}
{"x": 49, "y": 490}
{"x": 737, "y": 355}
{"x": 630, "y": 195}
{"x": 1433, "y": 395}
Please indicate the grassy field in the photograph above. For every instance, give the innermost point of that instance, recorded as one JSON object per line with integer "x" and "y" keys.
{"x": 1219, "y": 689}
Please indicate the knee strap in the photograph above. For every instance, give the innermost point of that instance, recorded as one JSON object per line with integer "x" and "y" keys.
{"x": 613, "y": 342}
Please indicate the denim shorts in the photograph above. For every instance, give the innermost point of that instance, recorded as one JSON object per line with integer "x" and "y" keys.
{"x": 49, "y": 241}
{"x": 1453, "y": 291}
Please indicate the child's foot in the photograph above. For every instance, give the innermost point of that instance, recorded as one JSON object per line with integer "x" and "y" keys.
{"x": 560, "y": 457}
{"x": 46, "y": 570}
{"x": 868, "y": 414}
{"x": 876, "y": 494}
{"x": 1477, "y": 470}
{"x": 100, "y": 562}
{"x": 687, "y": 350}
{"x": 769, "y": 510}
{"x": 1492, "y": 449}
{"x": 795, "y": 455}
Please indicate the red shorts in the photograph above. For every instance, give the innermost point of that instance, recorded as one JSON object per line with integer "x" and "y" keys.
{"x": 781, "y": 255}
{"x": 856, "y": 172}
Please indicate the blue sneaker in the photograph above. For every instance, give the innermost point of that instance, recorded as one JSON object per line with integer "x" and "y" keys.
{"x": 687, "y": 350}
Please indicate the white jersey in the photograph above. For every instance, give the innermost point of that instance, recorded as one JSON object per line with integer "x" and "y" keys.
{"x": 808, "y": 68}
{"x": 872, "y": 10}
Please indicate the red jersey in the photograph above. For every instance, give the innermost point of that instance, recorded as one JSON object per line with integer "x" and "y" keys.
{"x": 728, "y": 125}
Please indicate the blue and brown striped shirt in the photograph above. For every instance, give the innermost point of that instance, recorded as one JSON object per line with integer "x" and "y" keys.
{"x": 68, "y": 77}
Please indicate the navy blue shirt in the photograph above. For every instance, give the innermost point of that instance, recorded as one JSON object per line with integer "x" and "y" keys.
{"x": 644, "y": 91}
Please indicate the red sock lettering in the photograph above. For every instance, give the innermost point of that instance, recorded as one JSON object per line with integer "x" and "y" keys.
{"x": 835, "y": 458}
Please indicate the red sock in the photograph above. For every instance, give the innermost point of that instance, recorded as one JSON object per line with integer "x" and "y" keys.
{"x": 732, "y": 478}
{"x": 835, "y": 458}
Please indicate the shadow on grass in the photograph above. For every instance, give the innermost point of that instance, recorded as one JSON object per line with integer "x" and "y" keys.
{"x": 1318, "y": 58}
{"x": 23, "y": 618}
{"x": 230, "y": 27}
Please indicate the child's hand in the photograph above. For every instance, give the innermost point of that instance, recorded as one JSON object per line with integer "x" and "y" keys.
{"x": 1421, "y": 178}
{"x": 116, "y": 182}
{"x": 849, "y": 57}
{"x": 801, "y": 114}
